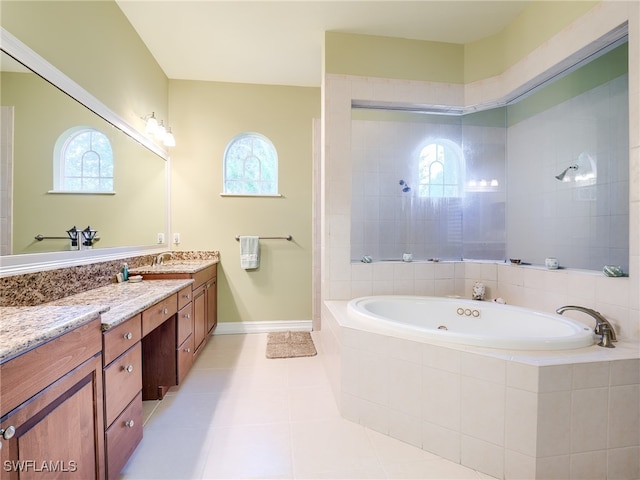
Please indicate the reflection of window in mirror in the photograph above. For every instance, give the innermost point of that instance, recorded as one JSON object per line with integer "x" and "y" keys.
{"x": 83, "y": 162}
{"x": 250, "y": 166}
{"x": 439, "y": 170}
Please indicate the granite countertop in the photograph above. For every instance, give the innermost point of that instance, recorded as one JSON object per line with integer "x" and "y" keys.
{"x": 174, "y": 266}
{"x": 24, "y": 328}
{"x": 125, "y": 299}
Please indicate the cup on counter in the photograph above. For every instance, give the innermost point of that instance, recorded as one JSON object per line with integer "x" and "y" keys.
{"x": 407, "y": 257}
{"x": 551, "y": 263}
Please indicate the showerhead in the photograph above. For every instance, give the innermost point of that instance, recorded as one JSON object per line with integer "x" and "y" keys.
{"x": 565, "y": 171}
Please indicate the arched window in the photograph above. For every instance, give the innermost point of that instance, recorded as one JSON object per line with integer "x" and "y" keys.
{"x": 83, "y": 162}
{"x": 250, "y": 166}
{"x": 440, "y": 170}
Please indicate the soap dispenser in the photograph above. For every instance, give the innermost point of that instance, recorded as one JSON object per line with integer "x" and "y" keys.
{"x": 125, "y": 272}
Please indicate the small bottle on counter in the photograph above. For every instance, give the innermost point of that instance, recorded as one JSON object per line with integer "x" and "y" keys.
{"x": 125, "y": 272}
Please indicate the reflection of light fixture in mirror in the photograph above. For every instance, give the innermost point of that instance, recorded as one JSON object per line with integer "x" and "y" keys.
{"x": 563, "y": 176}
{"x": 152, "y": 123}
{"x": 482, "y": 185}
{"x": 169, "y": 139}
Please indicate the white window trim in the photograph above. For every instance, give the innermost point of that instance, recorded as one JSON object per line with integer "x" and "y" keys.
{"x": 59, "y": 162}
{"x": 224, "y": 169}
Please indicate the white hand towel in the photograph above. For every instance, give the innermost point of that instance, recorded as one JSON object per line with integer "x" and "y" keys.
{"x": 249, "y": 252}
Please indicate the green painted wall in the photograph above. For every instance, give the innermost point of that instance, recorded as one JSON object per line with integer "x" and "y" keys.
{"x": 208, "y": 115}
{"x": 385, "y": 57}
{"x": 93, "y": 43}
{"x": 538, "y": 22}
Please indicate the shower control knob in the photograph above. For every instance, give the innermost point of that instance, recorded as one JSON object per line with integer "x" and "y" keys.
{"x": 8, "y": 432}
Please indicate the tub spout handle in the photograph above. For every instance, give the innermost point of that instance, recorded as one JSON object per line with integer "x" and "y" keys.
{"x": 603, "y": 327}
{"x": 606, "y": 340}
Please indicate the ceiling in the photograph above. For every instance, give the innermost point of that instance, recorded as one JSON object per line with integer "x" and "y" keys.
{"x": 280, "y": 42}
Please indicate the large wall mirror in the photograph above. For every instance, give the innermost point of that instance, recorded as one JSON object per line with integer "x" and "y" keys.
{"x": 545, "y": 174}
{"x": 40, "y": 106}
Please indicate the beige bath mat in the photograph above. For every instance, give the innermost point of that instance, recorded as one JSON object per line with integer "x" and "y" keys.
{"x": 290, "y": 344}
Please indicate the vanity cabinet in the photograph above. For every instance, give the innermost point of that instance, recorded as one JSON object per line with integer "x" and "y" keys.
{"x": 204, "y": 297}
{"x": 52, "y": 403}
{"x": 184, "y": 333}
{"x": 122, "y": 376}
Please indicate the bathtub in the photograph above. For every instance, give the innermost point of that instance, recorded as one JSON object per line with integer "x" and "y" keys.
{"x": 469, "y": 322}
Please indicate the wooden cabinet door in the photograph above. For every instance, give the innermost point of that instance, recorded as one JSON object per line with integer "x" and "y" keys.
{"x": 212, "y": 304}
{"x": 58, "y": 432}
{"x": 199, "y": 317}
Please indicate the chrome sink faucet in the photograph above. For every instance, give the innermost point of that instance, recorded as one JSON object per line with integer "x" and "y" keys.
{"x": 603, "y": 327}
{"x": 159, "y": 260}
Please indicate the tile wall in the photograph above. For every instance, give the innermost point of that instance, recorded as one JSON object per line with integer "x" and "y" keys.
{"x": 571, "y": 415}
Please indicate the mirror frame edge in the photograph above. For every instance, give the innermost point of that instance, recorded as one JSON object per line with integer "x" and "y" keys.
{"x": 29, "y": 263}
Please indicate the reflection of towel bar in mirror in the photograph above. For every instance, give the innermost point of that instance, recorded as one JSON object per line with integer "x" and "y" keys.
{"x": 287, "y": 238}
{"x": 41, "y": 237}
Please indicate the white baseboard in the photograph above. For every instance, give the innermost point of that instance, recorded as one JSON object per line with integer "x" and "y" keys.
{"x": 228, "y": 328}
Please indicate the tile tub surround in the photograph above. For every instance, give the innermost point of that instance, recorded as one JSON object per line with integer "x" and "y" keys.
{"x": 567, "y": 414}
{"x": 41, "y": 287}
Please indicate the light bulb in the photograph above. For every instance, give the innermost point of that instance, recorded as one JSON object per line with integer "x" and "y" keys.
{"x": 169, "y": 139}
{"x": 160, "y": 131}
{"x": 152, "y": 124}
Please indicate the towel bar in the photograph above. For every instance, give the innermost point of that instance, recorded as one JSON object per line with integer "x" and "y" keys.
{"x": 41, "y": 237}
{"x": 287, "y": 238}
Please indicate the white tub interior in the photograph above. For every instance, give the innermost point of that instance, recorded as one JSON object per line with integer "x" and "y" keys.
{"x": 469, "y": 322}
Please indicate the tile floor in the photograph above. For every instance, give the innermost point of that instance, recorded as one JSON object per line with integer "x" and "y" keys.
{"x": 239, "y": 415}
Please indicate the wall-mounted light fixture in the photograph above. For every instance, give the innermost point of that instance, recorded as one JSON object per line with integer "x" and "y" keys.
{"x": 158, "y": 130}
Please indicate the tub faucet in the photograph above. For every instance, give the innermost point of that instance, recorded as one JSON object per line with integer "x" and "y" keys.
{"x": 159, "y": 260}
{"x": 603, "y": 327}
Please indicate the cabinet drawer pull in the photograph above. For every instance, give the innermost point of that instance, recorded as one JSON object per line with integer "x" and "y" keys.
{"x": 187, "y": 316}
{"x": 187, "y": 349}
{"x": 128, "y": 336}
{"x": 165, "y": 311}
{"x": 8, "y": 432}
{"x": 129, "y": 423}
{"x": 187, "y": 296}
{"x": 128, "y": 368}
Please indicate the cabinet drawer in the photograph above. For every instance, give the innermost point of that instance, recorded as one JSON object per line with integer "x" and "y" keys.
{"x": 185, "y": 323}
{"x": 116, "y": 340}
{"x": 123, "y": 436}
{"x": 122, "y": 381}
{"x": 199, "y": 278}
{"x": 184, "y": 357}
{"x": 158, "y": 313}
{"x": 184, "y": 297}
